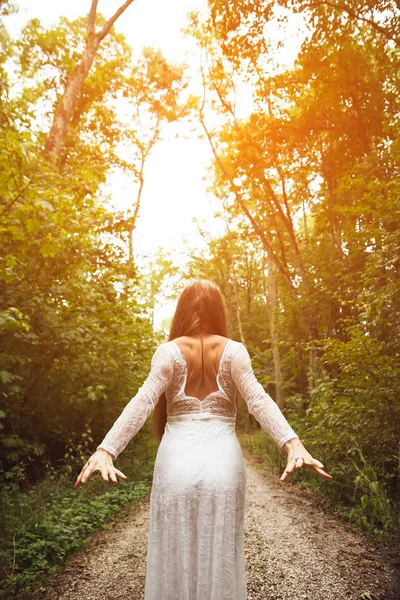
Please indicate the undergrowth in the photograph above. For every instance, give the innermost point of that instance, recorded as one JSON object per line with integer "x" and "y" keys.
{"x": 357, "y": 493}
{"x": 41, "y": 526}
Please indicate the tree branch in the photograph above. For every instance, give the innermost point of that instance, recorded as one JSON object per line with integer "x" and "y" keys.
{"x": 102, "y": 34}
{"x": 246, "y": 211}
{"x": 17, "y": 197}
{"x": 354, "y": 15}
{"x": 91, "y": 18}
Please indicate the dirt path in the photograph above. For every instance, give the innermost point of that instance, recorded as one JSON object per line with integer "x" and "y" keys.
{"x": 294, "y": 551}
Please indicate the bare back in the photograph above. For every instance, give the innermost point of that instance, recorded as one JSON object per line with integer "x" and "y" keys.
{"x": 202, "y": 356}
{"x": 200, "y": 377}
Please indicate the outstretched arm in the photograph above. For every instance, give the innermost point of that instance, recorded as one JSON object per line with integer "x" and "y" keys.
{"x": 130, "y": 420}
{"x": 142, "y": 404}
{"x": 259, "y": 403}
{"x": 270, "y": 417}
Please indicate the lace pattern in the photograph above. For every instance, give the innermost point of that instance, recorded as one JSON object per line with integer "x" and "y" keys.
{"x": 168, "y": 374}
{"x": 259, "y": 403}
{"x": 135, "y": 413}
{"x": 196, "y": 538}
{"x": 197, "y": 506}
{"x": 220, "y": 402}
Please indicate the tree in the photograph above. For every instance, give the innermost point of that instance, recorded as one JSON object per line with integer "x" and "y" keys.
{"x": 154, "y": 98}
{"x": 45, "y": 57}
{"x": 67, "y": 103}
{"x": 70, "y": 331}
{"x": 312, "y": 171}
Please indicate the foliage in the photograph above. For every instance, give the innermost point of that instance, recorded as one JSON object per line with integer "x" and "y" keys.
{"x": 65, "y": 327}
{"x": 75, "y": 318}
{"x": 76, "y": 313}
{"x": 307, "y": 177}
{"x": 40, "y": 527}
{"x": 307, "y": 174}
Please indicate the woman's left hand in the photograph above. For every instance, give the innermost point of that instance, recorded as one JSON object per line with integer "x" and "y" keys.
{"x": 294, "y": 449}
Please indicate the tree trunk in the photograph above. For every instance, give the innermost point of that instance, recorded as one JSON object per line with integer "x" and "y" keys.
{"x": 238, "y": 315}
{"x": 74, "y": 84}
{"x": 272, "y": 305}
{"x": 301, "y": 372}
{"x": 65, "y": 108}
{"x": 313, "y": 372}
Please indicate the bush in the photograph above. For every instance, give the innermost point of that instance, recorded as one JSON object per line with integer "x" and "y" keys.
{"x": 43, "y": 525}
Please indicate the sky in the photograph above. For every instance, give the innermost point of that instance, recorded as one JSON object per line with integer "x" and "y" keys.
{"x": 174, "y": 192}
{"x": 175, "y": 175}
{"x": 174, "y": 188}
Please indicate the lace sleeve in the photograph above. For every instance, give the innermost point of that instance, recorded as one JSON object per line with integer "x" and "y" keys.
{"x": 259, "y": 403}
{"x": 141, "y": 405}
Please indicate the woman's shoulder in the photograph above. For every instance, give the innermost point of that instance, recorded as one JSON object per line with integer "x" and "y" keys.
{"x": 213, "y": 342}
{"x": 190, "y": 342}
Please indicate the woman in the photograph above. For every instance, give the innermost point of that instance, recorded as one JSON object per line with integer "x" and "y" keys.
{"x": 196, "y": 542}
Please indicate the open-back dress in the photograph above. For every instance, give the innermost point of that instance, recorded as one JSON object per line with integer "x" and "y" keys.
{"x": 196, "y": 538}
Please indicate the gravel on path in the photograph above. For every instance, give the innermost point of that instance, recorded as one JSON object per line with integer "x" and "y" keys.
{"x": 294, "y": 550}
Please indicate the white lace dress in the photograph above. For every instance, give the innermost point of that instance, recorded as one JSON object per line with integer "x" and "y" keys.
{"x": 196, "y": 539}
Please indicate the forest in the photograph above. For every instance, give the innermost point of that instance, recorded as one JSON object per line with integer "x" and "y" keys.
{"x": 308, "y": 188}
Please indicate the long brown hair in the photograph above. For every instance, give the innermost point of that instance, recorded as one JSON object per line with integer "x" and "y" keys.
{"x": 200, "y": 307}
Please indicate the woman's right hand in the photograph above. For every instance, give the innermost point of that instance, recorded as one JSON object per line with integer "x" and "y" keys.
{"x": 101, "y": 461}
